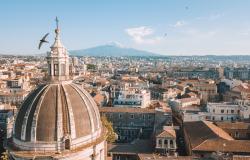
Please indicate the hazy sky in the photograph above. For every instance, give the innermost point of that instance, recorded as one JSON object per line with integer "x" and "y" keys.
{"x": 171, "y": 27}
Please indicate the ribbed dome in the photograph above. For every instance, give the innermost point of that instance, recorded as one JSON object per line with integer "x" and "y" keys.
{"x": 54, "y": 112}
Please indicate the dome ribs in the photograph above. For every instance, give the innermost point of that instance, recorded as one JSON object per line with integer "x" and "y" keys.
{"x": 46, "y": 122}
{"x": 31, "y": 114}
{"x": 80, "y": 112}
{"x": 55, "y": 112}
{"x": 95, "y": 109}
{"x": 65, "y": 112}
{"x": 91, "y": 110}
{"x": 23, "y": 110}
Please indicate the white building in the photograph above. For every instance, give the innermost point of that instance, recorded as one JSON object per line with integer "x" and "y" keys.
{"x": 194, "y": 116}
{"x": 132, "y": 98}
{"x": 223, "y": 111}
{"x": 232, "y": 83}
{"x": 180, "y": 104}
{"x": 244, "y": 108}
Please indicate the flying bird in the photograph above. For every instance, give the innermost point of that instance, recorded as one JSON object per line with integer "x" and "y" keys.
{"x": 43, "y": 40}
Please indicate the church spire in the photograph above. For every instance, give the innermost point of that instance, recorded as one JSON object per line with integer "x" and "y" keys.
{"x": 57, "y": 43}
{"x": 57, "y": 21}
{"x": 58, "y": 59}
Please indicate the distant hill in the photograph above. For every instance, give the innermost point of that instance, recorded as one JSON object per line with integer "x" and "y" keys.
{"x": 111, "y": 50}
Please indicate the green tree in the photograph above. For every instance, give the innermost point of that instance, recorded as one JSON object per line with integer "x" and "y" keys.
{"x": 91, "y": 66}
{"x": 111, "y": 135}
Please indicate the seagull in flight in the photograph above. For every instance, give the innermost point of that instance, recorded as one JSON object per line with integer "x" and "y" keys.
{"x": 43, "y": 40}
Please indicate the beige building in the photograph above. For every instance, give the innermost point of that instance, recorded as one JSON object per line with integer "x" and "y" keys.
{"x": 166, "y": 141}
{"x": 206, "y": 88}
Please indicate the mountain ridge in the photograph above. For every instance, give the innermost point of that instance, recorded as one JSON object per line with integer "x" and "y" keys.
{"x": 112, "y": 50}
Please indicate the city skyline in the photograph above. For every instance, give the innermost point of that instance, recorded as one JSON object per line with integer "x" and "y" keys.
{"x": 166, "y": 27}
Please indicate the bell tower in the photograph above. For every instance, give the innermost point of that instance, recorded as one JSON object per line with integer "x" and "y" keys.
{"x": 58, "y": 59}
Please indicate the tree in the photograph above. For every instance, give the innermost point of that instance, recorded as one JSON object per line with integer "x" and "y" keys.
{"x": 111, "y": 135}
{"x": 91, "y": 66}
{"x": 4, "y": 156}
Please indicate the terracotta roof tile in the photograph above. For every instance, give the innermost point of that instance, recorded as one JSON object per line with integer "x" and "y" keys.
{"x": 167, "y": 133}
{"x": 213, "y": 145}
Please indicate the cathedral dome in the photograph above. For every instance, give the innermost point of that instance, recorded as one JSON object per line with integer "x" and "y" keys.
{"x": 54, "y": 112}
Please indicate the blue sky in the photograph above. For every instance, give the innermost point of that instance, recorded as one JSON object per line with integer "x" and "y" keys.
{"x": 176, "y": 27}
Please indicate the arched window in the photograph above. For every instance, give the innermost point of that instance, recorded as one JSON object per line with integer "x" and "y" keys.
{"x": 159, "y": 142}
{"x": 171, "y": 143}
{"x": 56, "y": 70}
{"x": 165, "y": 141}
{"x": 63, "y": 68}
{"x": 67, "y": 144}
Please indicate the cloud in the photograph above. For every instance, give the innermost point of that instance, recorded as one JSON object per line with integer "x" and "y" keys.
{"x": 142, "y": 35}
{"x": 179, "y": 24}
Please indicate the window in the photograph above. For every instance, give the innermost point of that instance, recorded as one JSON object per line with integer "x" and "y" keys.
{"x": 165, "y": 141}
{"x": 132, "y": 132}
{"x": 221, "y": 118}
{"x": 132, "y": 116}
{"x": 118, "y": 158}
{"x": 214, "y": 110}
{"x": 149, "y": 117}
{"x": 67, "y": 144}
{"x": 126, "y": 132}
{"x": 237, "y": 134}
{"x": 232, "y": 111}
{"x": 171, "y": 142}
{"x": 120, "y": 115}
{"x": 222, "y": 111}
{"x": 144, "y": 116}
{"x": 159, "y": 141}
{"x": 56, "y": 70}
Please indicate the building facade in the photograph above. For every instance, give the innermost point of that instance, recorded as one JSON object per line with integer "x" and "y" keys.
{"x": 223, "y": 111}
{"x": 133, "y": 123}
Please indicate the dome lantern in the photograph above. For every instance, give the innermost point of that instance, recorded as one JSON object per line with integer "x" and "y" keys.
{"x": 58, "y": 59}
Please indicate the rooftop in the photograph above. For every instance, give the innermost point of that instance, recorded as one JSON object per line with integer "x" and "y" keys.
{"x": 136, "y": 147}
{"x": 200, "y": 131}
{"x": 126, "y": 109}
{"x": 160, "y": 157}
{"x": 235, "y": 146}
{"x": 167, "y": 133}
{"x": 233, "y": 125}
